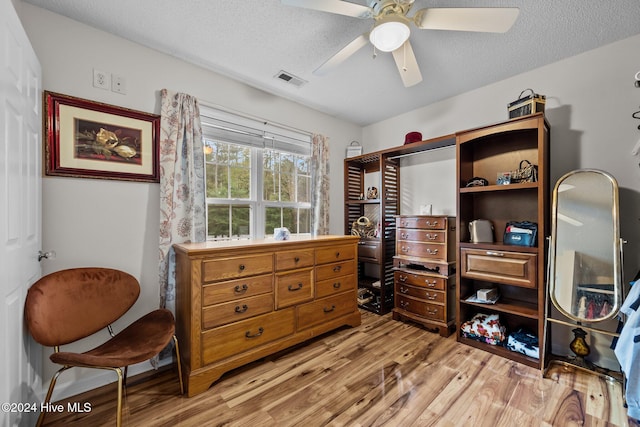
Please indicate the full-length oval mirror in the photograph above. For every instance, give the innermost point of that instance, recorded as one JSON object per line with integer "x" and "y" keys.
{"x": 585, "y": 274}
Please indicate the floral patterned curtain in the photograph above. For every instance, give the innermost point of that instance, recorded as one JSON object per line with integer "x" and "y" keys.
{"x": 320, "y": 185}
{"x": 182, "y": 184}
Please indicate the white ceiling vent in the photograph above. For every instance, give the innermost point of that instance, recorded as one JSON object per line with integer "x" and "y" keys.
{"x": 290, "y": 78}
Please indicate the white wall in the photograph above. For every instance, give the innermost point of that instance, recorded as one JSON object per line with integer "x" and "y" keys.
{"x": 590, "y": 100}
{"x": 92, "y": 222}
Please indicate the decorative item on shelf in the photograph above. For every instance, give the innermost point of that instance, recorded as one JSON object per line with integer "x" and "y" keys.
{"x": 364, "y": 296}
{"x": 282, "y": 233}
{"x": 372, "y": 193}
{"x": 412, "y": 137}
{"x": 526, "y": 172}
{"x": 477, "y": 181}
{"x": 354, "y": 149}
{"x": 520, "y": 233}
{"x": 525, "y": 105}
{"x": 503, "y": 178}
{"x": 481, "y": 231}
{"x": 363, "y": 227}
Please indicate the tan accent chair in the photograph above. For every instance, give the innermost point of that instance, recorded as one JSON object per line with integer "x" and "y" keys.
{"x": 69, "y": 305}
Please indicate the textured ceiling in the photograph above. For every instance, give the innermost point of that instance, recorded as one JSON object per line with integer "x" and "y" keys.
{"x": 252, "y": 40}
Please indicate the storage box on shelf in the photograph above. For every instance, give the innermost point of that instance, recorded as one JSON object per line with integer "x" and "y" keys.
{"x": 239, "y": 301}
{"x": 424, "y": 277}
{"x": 517, "y": 272}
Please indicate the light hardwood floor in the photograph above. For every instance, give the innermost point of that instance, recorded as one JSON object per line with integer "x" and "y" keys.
{"x": 381, "y": 373}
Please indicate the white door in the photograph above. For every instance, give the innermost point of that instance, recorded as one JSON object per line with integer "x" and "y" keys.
{"x": 20, "y": 214}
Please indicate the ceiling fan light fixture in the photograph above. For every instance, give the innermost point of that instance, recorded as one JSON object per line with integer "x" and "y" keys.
{"x": 389, "y": 33}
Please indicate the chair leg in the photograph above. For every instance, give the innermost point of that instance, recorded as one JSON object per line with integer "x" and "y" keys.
{"x": 47, "y": 399}
{"x": 119, "y": 407}
{"x": 175, "y": 341}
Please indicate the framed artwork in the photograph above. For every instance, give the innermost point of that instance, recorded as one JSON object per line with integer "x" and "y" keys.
{"x": 86, "y": 139}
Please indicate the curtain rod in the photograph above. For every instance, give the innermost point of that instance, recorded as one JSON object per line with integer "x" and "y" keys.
{"x": 250, "y": 117}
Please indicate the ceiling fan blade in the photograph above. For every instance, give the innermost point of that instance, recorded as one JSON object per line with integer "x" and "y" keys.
{"x": 333, "y": 6}
{"x": 407, "y": 65}
{"x": 341, "y": 56}
{"x": 482, "y": 19}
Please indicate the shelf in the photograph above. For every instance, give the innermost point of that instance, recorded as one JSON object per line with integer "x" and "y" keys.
{"x": 493, "y": 188}
{"x": 504, "y": 305}
{"x": 501, "y": 351}
{"x": 362, "y": 202}
{"x": 499, "y": 247}
{"x": 367, "y": 283}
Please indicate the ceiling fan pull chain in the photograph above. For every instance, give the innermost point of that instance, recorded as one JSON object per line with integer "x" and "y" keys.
{"x": 404, "y": 54}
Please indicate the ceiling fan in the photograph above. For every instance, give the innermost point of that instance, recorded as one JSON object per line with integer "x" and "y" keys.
{"x": 390, "y": 32}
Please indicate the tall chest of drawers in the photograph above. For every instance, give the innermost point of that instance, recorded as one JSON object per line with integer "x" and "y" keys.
{"x": 239, "y": 301}
{"x": 424, "y": 277}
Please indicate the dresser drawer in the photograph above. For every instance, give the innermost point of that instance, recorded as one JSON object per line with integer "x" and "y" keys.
{"x": 511, "y": 268}
{"x": 369, "y": 250}
{"x": 333, "y": 286}
{"x": 333, "y": 254}
{"x": 423, "y": 222}
{"x": 338, "y": 269}
{"x": 428, "y": 295}
{"x": 220, "y": 314}
{"x": 290, "y": 260}
{"x": 326, "y": 309}
{"x": 422, "y": 250}
{"x": 293, "y": 288}
{"x": 422, "y": 308}
{"x": 422, "y": 280}
{"x": 235, "y": 338}
{"x": 421, "y": 235}
{"x": 234, "y": 289}
{"x": 231, "y": 268}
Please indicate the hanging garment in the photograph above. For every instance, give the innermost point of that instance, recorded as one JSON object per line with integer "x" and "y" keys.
{"x": 627, "y": 349}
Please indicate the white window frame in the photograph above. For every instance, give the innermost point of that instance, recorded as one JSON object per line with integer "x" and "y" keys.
{"x": 257, "y": 206}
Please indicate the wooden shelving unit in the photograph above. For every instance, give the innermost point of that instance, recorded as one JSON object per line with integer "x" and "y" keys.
{"x": 517, "y": 272}
{"x": 375, "y": 256}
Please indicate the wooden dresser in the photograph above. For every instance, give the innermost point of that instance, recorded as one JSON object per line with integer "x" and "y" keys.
{"x": 239, "y": 301}
{"x": 424, "y": 277}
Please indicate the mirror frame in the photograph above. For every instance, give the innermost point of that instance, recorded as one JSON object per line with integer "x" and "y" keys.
{"x": 616, "y": 247}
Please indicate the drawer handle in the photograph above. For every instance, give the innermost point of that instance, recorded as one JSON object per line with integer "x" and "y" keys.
{"x": 336, "y": 285}
{"x": 493, "y": 253}
{"x": 240, "y": 290}
{"x": 241, "y": 267}
{"x": 337, "y": 254}
{"x": 432, "y": 224}
{"x": 430, "y": 297}
{"x": 432, "y": 251}
{"x": 432, "y": 312}
{"x": 403, "y": 290}
{"x": 404, "y": 249}
{"x": 337, "y": 268}
{"x": 330, "y": 309}
{"x": 404, "y": 235}
{"x": 431, "y": 236}
{"x": 402, "y": 278}
{"x": 404, "y": 304}
{"x": 249, "y": 335}
{"x": 292, "y": 289}
{"x": 296, "y": 260}
{"x": 241, "y": 309}
{"x": 430, "y": 284}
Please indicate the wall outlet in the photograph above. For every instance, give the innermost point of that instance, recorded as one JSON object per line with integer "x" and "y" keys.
{"x": 101, "y": 79}
{"x": 118, "y": 84}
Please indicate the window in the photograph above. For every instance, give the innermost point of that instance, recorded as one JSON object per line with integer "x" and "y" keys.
{"x": 258, "y": 177}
